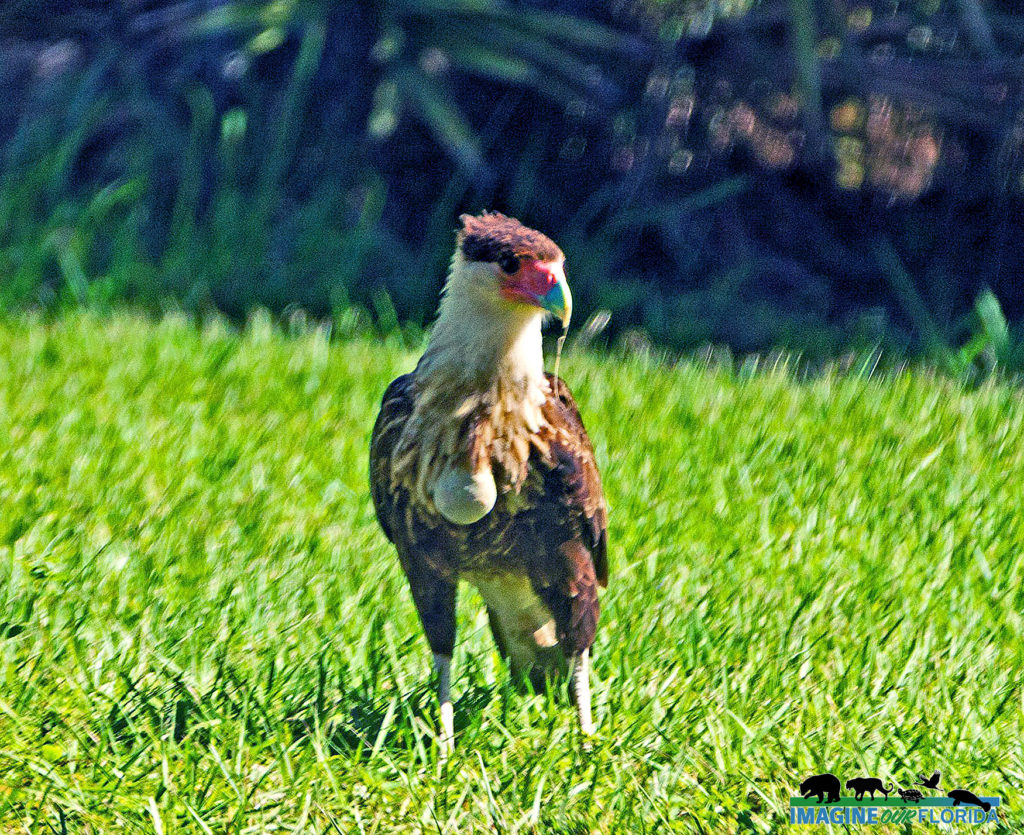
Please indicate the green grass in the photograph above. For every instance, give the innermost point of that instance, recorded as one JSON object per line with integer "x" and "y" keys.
{"x": 203, "y": 630}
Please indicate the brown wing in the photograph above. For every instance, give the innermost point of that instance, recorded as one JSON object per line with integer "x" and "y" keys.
{"x": 576, "y": 479}
{"x": 418, "y": 545}
{"x": 395, "y": 408}
{"x": 569, "y": 519}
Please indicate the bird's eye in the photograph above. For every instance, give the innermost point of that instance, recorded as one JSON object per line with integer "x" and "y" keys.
{"x": 509, "y": 263}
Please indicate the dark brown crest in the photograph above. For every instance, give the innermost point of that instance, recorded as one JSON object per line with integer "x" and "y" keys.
{"x": 493, "y": 237}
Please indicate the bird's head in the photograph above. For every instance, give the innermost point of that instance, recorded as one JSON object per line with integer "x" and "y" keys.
{"x": 509, "y": 269}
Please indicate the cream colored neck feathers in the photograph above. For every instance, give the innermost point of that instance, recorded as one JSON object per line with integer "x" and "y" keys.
{"x": 480, "y": 386}
{"x": 483, "y": 338}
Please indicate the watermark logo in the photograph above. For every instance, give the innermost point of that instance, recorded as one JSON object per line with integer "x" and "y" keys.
{"x": 868, "y": 801}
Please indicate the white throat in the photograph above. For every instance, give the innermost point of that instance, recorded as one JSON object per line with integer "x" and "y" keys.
{"x": 481, "y": 342}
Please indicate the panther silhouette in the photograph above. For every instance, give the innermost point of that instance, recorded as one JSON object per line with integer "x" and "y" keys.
{"x": 868, "y": 784}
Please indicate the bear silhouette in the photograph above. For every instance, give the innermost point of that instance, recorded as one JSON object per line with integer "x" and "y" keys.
{"x": 963, "y": 796}
{"x": 821, "y": 785}
{"x": 868, "y": 784}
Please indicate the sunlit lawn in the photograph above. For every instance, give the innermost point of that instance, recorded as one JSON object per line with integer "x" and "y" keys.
{"x": 203, "y": 630}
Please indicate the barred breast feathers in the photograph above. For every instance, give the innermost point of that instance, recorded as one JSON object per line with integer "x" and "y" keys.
{"x": 454, "y": 425}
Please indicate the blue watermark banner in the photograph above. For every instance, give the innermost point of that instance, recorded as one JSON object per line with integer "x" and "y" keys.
{"x": 821, "y": 802}
{"x": 928, "y": 810}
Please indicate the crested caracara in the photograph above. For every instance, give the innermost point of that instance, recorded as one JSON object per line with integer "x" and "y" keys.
{"x": 481, "y": 470}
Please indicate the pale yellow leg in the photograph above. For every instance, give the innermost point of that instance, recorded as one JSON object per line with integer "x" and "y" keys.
{"x": 581, "y": 689}
{"x": 443, "y": 671}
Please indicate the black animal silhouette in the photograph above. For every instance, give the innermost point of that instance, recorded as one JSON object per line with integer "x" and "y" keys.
{"x": 928, "y": 782}
{"x": 821, "y": 785}
{"x": 963, "y": 796}
{"x": 910, "y": 795}
{"x": 868, "y": 784}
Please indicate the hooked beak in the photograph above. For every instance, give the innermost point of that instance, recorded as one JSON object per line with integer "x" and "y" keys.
{"x": 558, "y": 301}
{"x": 543, "y": 285}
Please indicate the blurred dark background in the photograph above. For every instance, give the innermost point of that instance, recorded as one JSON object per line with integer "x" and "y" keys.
{"x": 822, "y": 176}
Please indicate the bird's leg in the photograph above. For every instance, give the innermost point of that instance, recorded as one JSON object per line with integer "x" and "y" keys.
{"x": 434, "y": 597}
{"x": 581, "y": 691}
{"x": 443, "y": 671}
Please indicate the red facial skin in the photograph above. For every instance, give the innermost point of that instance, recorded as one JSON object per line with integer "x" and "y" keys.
{"x": 530, "y": 283}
